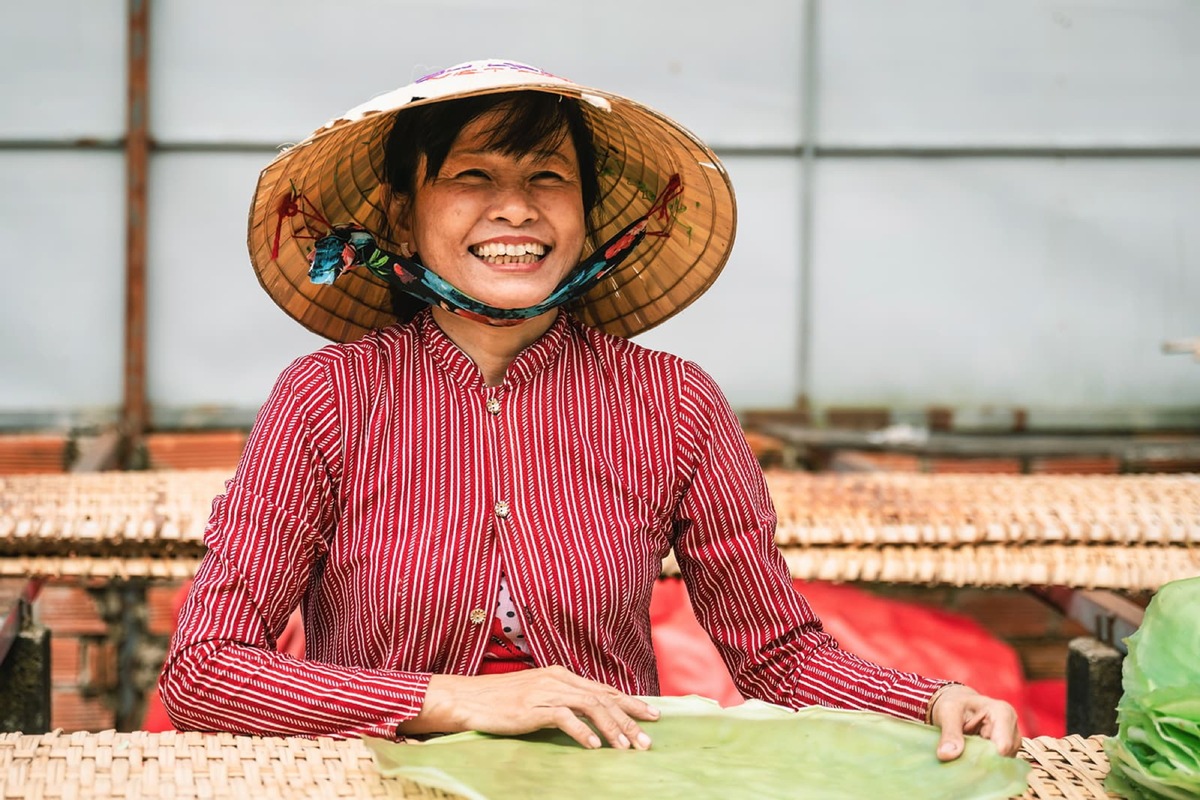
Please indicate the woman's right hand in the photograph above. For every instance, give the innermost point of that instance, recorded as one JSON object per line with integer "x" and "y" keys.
{"x": 529, "y": 700}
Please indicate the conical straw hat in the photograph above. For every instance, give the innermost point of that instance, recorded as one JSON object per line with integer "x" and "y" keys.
{"x": 339, "y": 171}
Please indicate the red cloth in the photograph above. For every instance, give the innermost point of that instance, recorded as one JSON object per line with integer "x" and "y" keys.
{"x": 1046, "y": 699}
{"x": 501, "y": 655}
{"x": 909, "y": 636}
{"x": 381, "y": 488}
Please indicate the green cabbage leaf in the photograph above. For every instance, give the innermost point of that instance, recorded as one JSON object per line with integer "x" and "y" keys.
{"x": 1156, "y": 752}
{"x": 702, "y": 751}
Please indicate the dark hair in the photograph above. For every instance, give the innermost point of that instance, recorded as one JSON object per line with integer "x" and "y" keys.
{"x": 527, "y": 122}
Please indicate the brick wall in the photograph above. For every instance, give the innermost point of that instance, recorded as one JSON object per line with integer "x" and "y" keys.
{"x": 83, "y": 659}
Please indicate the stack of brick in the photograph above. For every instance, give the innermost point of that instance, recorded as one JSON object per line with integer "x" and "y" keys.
{"x": 84, "y": 646}
{"x": 1058, "y": 465}
{"x": 83, "y": 659}
{"x": 26, "y": 454}
{"x": 195, "y": 450}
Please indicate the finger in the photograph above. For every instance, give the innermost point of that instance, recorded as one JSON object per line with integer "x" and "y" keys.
{"x": 1000, "y": 727}
{"x": 634, "y": 734}
{"x": 624, "y": 708}
{"x": 626, "y": 711}
{"x": 1007, "y": 742}
{"x": 638, "y": 737}
{"x": 977, "y": 722}
{"x": 625, "y": 719}
{"x": 610, "y": 721}
{"x": 1006, "y": 735}
{"x": 638, "y": 708}
{"x": 566, "y": 721}
{"x": 950, "y": 719}
{"x": 950, "y": 746}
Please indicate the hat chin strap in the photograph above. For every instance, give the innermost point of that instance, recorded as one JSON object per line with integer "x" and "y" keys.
{"x": 349, "y": 246}
{"x": 346, "y": 248}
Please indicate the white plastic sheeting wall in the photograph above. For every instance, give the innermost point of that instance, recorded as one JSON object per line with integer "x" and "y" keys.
{"x": 1047, "y": 283}
{"x": 978, "y": 276}
{"x": 61, "y": 211}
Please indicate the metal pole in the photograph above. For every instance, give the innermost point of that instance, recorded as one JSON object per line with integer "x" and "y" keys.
{"x": 137, "y": 152}
{"x": 808, "y": 128}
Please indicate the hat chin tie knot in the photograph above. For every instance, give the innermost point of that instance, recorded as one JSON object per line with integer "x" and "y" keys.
{"x": 349, "y": 246}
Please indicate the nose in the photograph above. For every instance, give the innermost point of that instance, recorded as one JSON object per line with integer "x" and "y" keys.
{"x": 514, "y": 205}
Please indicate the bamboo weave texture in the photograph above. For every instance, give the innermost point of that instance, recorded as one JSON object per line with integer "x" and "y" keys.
{"x": 218, "y": 766}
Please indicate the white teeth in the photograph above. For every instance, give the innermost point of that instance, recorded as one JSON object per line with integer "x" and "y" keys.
{"x": 496, "y": 249}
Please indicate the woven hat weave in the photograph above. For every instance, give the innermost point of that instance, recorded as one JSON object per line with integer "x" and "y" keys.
{"x": 338, "y": 171}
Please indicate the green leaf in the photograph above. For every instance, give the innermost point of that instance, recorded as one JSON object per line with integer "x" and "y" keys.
{"x": 1156, "y": 753}
{"x": 702, "y": 751}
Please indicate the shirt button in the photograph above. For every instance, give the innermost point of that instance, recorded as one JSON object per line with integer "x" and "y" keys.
{"x": 478, "y": 616}
{"x": 493, "y": 405}
{"x": 502, "y": 509}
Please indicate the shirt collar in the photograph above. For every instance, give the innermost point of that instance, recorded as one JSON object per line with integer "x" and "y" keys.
{"x": 528, "y": 364}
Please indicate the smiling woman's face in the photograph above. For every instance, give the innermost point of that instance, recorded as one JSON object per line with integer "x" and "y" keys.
{"x": 502, "y": 228}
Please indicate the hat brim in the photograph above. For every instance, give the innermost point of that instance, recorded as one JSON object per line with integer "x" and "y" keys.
{"x": 339, "y": 170}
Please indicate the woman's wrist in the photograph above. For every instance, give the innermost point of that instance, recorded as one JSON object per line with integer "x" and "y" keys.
{"x": 438, "y": 712}
{"x": 937, "y": 695}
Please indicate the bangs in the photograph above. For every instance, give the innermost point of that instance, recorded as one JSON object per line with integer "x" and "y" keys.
{"x": 525, "y": 123}
{"x": 528, "y": 123}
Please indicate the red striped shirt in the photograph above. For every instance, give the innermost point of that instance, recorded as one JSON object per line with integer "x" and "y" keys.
{"x": 382, "y": 491}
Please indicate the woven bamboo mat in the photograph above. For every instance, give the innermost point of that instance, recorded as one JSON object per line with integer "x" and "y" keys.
{"x": 187, "y": 765}
{"x": 219, "y": 766}
{"x": 1068, "y": 769}
{"x": 1113, "y": 532}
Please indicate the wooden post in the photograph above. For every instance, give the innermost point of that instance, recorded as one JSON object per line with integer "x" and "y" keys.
{"x": 24, "y": 661}
{"x": 137, "y": 153}
{"x": 1093, "y": 687}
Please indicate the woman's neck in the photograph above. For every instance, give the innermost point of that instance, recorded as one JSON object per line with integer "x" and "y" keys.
{"x": 491, "y": 347}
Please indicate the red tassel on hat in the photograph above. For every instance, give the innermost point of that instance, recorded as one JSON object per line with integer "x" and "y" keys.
{"x": 289, "y": 206}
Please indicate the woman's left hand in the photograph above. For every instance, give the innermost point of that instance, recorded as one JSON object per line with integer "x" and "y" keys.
{"x": 961, "y": 710}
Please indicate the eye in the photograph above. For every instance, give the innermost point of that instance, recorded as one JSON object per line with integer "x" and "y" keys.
{"x": 471, "y": 174}
{"x": 548, "y": 176}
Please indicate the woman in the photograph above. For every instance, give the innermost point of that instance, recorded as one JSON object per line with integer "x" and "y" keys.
{"x": 471, "y": 506}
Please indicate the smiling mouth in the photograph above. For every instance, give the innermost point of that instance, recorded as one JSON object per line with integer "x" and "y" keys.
{"x": 498, "y": 253}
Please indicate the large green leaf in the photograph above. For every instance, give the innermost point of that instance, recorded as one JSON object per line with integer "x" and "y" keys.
{"x": 703, "y": 751}
{"x": 1165, "y": 649}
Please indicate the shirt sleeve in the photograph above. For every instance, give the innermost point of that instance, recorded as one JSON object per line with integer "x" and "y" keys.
{"x": 264, "y": 538}
{"x": 739, "y": 584}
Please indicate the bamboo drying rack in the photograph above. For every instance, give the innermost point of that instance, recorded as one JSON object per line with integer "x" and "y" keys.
{"x": 1109, "y": 532}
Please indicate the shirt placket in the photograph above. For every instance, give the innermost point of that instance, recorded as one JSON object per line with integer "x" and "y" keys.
{"x": 509, "y": 516}
{"x": 500, "y": 496}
